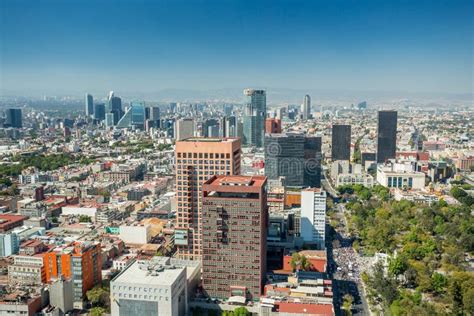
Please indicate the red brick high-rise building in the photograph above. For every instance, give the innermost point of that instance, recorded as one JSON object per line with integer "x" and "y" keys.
{"x": 234, "y": 234}
{"x": 272, "y": 126}
{"x": 197, "y": 159}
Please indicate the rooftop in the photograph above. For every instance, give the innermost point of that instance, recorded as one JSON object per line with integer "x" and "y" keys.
{"x": 149, "y": 273}
{"x": 209, "y": 139}
{"x": 233, "y": 181}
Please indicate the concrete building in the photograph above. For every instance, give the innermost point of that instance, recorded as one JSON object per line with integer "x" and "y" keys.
{"x": 61, "y": 295}
{"x": 313, "y": 216}
{"x": 135, "y": 234}
{"x": 27, "y": 270}
{"x": 196, "y": 160}
{"x": 80, "y": 261}
{"x": 184, "y": 129}
{"x": 395, "y": 175}
{"x": 10, "y": 221}
{"x": 160, "y": 286}
{"x": 9, "y": 244}
{"x": 234, "y": 219}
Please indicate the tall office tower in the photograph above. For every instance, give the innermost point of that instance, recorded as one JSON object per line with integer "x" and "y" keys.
{"x": 229, "y": 126}
{"x": 254, "y": 117}
{"x": 306, "y": 108}
{"x": 312, "y": 159}
{"x": 99, "y": 111}
{"x": 155, "y": 115}
{"x": 313, "y": 216}
{"x": 234, "y": 233}
{"x": 184, "y": 129}
{"x": 386, "y": 136}
{"x": 89, "y": 105}
{"x": 341, "y": 142}
{"x": 272, "y": 126}
{"x": 134, "y": 117}
{"x": 109, "y": 119}
{"x": 197, "y": 159}
{"x": 13, "y": 118}
{"x": 115, "y": 106}
{"x": 295, "y": 157}
{"x": 210, "y": 128}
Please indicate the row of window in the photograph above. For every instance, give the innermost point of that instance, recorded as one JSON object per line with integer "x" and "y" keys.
{"x": 204, "y": 155}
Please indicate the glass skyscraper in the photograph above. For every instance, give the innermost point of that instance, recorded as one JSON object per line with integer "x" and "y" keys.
{"x": 386, "y": 136}
{"x": 134, "y": 116}
{"x": 255, "y": 113}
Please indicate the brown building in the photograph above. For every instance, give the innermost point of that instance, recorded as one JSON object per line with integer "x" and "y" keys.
{"x": 272, "y": 126}
{"x": 8, "y": 222}
{"x": 234, "y": 234}
{"x": 197, "y": 159}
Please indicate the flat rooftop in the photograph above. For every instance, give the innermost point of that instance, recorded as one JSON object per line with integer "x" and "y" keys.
{"x": 209, "y": 139}
{"x": 236, "y": 181}
{"x": 149, "y": 273}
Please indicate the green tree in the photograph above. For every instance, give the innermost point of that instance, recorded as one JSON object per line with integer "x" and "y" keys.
{"x": 97, "y": 311}
{"x": 438, "y": 282}
{"x": 397, "y": 265}
{"x": 98, "y": 296}
{"x": 241, "y": 311}
{"x": 85, "y": 219}
{"x": 347, "y": 302}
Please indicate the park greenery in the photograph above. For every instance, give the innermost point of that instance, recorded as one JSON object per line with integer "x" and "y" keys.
{"x": 42, "y": 162}
{"x": 238, "y": 311}
{"x": 100, "y": 300}
{"x": 462, "y": 196}
{"x": 427, "y": 272}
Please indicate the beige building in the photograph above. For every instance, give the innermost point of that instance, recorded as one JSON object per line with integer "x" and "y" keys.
{"x": 197, "y": 159}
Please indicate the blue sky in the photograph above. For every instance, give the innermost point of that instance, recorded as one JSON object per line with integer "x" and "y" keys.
{"x": 81, "y": 45}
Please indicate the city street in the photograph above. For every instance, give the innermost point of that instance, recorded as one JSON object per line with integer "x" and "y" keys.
{"x": 346, "y": 266}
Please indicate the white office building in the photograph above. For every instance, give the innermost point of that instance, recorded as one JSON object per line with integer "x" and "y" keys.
{"x": 135, "y": 234}
{"x": 155, "y": 287}
{"x": 400, "y": 175}
{"x": 313, "y": 216}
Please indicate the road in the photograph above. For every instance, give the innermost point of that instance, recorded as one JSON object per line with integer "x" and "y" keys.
{"x": 345, "y": 266}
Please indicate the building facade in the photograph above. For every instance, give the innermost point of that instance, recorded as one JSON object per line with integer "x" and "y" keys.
{"x": 272, "y": 126}
{"x": 13, "y": 118}
{"x": 184, "y": 129}
{"x": 306, "y": 107}
{"x": 341, "y": 142}
{"x": 89, "y": 103}
{"x": 234, "y": 233}
{"x": 255, "y": 112}
{"x": 294, "y": 156}
{"x": 313, "y": 216}
{"x": 197, "y": 159}
{"x": 386, "y": 136}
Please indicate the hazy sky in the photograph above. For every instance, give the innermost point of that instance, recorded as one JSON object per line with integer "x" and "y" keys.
{"x": 82, "y": 45}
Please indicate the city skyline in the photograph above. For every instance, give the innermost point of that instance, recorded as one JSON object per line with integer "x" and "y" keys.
{"x": 154, "y": 46}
